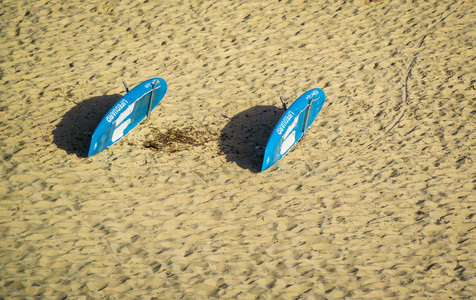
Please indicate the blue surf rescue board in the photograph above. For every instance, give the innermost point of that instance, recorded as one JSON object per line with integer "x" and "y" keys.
{"x": 127, "y": 113}
{"x": 292, "y": 126}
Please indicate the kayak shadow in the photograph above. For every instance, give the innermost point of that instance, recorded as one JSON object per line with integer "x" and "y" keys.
{"x": 73, "y": 133}
{"x": 244, "y": 137}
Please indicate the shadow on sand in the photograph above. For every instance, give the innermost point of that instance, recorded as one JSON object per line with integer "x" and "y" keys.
{"x": 244, "y": 137}
{"x": 73, "y": 133}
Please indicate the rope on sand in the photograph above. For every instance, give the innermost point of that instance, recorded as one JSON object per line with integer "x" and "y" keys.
{"x": 405, "y": 90}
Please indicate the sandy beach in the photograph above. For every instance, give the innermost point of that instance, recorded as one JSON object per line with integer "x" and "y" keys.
{"x": 378, "y": 201}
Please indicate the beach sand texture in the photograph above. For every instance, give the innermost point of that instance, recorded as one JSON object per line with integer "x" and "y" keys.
{"x": 378, "y": 201}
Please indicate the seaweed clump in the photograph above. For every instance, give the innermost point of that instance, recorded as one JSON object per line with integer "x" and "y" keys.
{"x": 174, "y": 140}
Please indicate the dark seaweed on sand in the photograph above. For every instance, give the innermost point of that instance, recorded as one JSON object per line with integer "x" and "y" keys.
{"x": 174, "y": 140}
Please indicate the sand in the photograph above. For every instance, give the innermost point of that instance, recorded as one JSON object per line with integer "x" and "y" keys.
{"x": 378, "y": 201}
